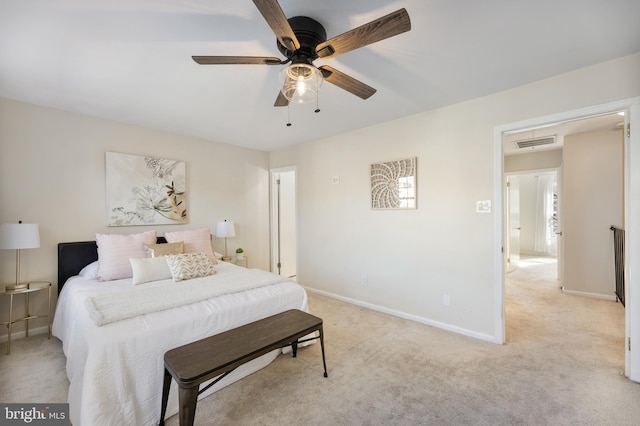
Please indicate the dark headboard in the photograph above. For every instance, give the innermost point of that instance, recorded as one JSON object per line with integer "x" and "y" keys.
{"x": 72, "y": 257}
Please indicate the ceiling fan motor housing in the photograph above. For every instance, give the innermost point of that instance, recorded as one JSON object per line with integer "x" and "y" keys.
{"x": 309, "y": 33}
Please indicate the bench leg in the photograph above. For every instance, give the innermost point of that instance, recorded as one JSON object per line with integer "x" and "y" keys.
{"x": 165, "y": 395}
{"x": 188, "y": 397}
{"x": 294, "y": 347}
{"x": 324, "y": 363}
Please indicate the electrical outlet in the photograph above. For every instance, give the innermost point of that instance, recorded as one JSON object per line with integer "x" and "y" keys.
{"x": 364, "y": 280}
{"x": 446, "y": 300}
{"x": 335, "y": 180}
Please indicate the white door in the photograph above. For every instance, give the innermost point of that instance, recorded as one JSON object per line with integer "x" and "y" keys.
{"x": 283, "y": 222}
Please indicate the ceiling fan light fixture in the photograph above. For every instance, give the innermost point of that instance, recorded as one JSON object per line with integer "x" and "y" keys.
{"x": 301, "y": 82}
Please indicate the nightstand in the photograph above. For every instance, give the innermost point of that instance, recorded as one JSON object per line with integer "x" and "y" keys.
{"x": 244, "y": 262}
{"x": 31, "y": 287}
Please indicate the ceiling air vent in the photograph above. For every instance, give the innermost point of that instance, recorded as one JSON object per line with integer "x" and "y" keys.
{"x": 530, "y": 143}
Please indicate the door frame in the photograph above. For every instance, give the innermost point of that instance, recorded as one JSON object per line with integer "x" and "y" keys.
{"x": 510, "y": 259}
{"x": 631, "y": 106}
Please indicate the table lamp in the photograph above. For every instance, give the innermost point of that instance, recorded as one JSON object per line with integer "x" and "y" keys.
{"x": 18, "y": 236}
{"x": 225, "y": 230}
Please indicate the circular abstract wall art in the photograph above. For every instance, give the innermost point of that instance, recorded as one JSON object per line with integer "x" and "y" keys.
{"x": 393, "y": 184}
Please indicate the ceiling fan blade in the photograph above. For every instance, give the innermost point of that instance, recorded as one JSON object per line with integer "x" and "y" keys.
{"x": 347, "y": 83}
{"x": 281, "y": 100}
{"x": 277, "y": 20}
{"x": 230, "y": 60}
{"x": 388, "y": 26}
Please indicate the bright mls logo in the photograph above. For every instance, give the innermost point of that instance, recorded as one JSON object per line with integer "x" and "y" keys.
{"x": 34, "y": 414}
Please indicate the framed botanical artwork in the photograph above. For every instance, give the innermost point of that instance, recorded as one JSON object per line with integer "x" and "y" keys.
{"x": 144, "y": 190}
{"x": 393, "y": 184}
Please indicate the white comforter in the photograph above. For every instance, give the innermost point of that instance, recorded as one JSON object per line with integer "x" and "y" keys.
{"x": 116, "y": 370}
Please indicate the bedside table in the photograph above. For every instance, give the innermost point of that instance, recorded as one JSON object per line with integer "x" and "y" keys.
{"x": 31, "y": 287}
{"x": 244, "y": 262}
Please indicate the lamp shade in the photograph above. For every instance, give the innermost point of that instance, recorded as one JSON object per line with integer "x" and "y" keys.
{"x": 225, "y": 229}
{"x": 301, "y": 82}
{"x": 19, "y": 236}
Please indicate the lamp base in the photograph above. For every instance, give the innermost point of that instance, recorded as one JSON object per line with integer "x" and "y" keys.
{"x": 13, "y": 287}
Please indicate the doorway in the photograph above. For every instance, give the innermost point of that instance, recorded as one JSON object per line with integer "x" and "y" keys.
{"x": 531, "y": 217}
{"x": 283, "y": 222}
{"x": 631, "y": 107}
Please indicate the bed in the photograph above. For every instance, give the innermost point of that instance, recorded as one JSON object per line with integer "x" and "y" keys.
{"x": 115, "y": 366}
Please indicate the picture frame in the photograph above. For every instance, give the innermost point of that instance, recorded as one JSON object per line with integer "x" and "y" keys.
{"x": 394, "y": 184}
{"x": 145, "y": 190}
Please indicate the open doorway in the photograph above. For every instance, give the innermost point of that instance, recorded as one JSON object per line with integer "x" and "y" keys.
{"x": 531, "y": 217}
{"x": 584, "y": 160}
{"x": 283, "y": 222}
{"x": 631, "y": 107}
{"x": 549, "y": 158}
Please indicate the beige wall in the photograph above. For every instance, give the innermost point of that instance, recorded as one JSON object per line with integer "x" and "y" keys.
{"x": 52, "y": 172}
{"x": 414, "y": 258}
{"x": 592, "y": 201}
{"x": 550, "y": 159}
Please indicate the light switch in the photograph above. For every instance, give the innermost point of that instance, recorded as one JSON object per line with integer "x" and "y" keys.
{"x": 483, "y": 206}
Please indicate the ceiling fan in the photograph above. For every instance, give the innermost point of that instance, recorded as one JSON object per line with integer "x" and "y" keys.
{"x": 302, "y": 40}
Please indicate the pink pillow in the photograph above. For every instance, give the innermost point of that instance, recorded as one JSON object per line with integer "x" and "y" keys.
{"x": 115, "y": 250}
{"x": 195, "y": 241}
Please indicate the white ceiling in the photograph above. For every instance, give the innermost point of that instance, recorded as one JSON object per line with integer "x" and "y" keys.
{"x": 130, "y": 60}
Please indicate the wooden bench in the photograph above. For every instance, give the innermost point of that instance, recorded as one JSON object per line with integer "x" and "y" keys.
{"x": 194, "y": 363}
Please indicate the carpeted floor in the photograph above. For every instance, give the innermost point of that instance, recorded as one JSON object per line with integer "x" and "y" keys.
{"x": 563, "y": 364}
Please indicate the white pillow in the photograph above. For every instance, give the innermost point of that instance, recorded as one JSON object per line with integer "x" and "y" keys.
{"x": 148, "y": 269}
{"x": 90, "y": 272}
{"x": 195, "y": 241}
{"x": 186, "y": 266}
{"x": 115, "y": 250}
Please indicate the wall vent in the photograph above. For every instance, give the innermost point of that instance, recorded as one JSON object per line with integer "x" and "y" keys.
{"x": 530, "y": 143}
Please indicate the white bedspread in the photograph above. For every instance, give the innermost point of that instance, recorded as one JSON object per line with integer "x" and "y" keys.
{"x": 110, "y": 307}
{"x": 116, "y": 370}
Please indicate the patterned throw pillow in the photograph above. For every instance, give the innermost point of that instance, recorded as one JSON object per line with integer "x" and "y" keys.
{"x": 159, "y": 250}
{"x": 186, "y": 266}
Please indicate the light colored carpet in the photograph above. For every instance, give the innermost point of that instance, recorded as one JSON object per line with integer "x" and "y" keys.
{"x": 563, "y": 364}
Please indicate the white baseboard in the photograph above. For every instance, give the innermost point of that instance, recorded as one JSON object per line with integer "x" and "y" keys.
{"x": 592, "y": 295}
{"x": 21, "y": 334}
{"x": 422, "y": 320}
